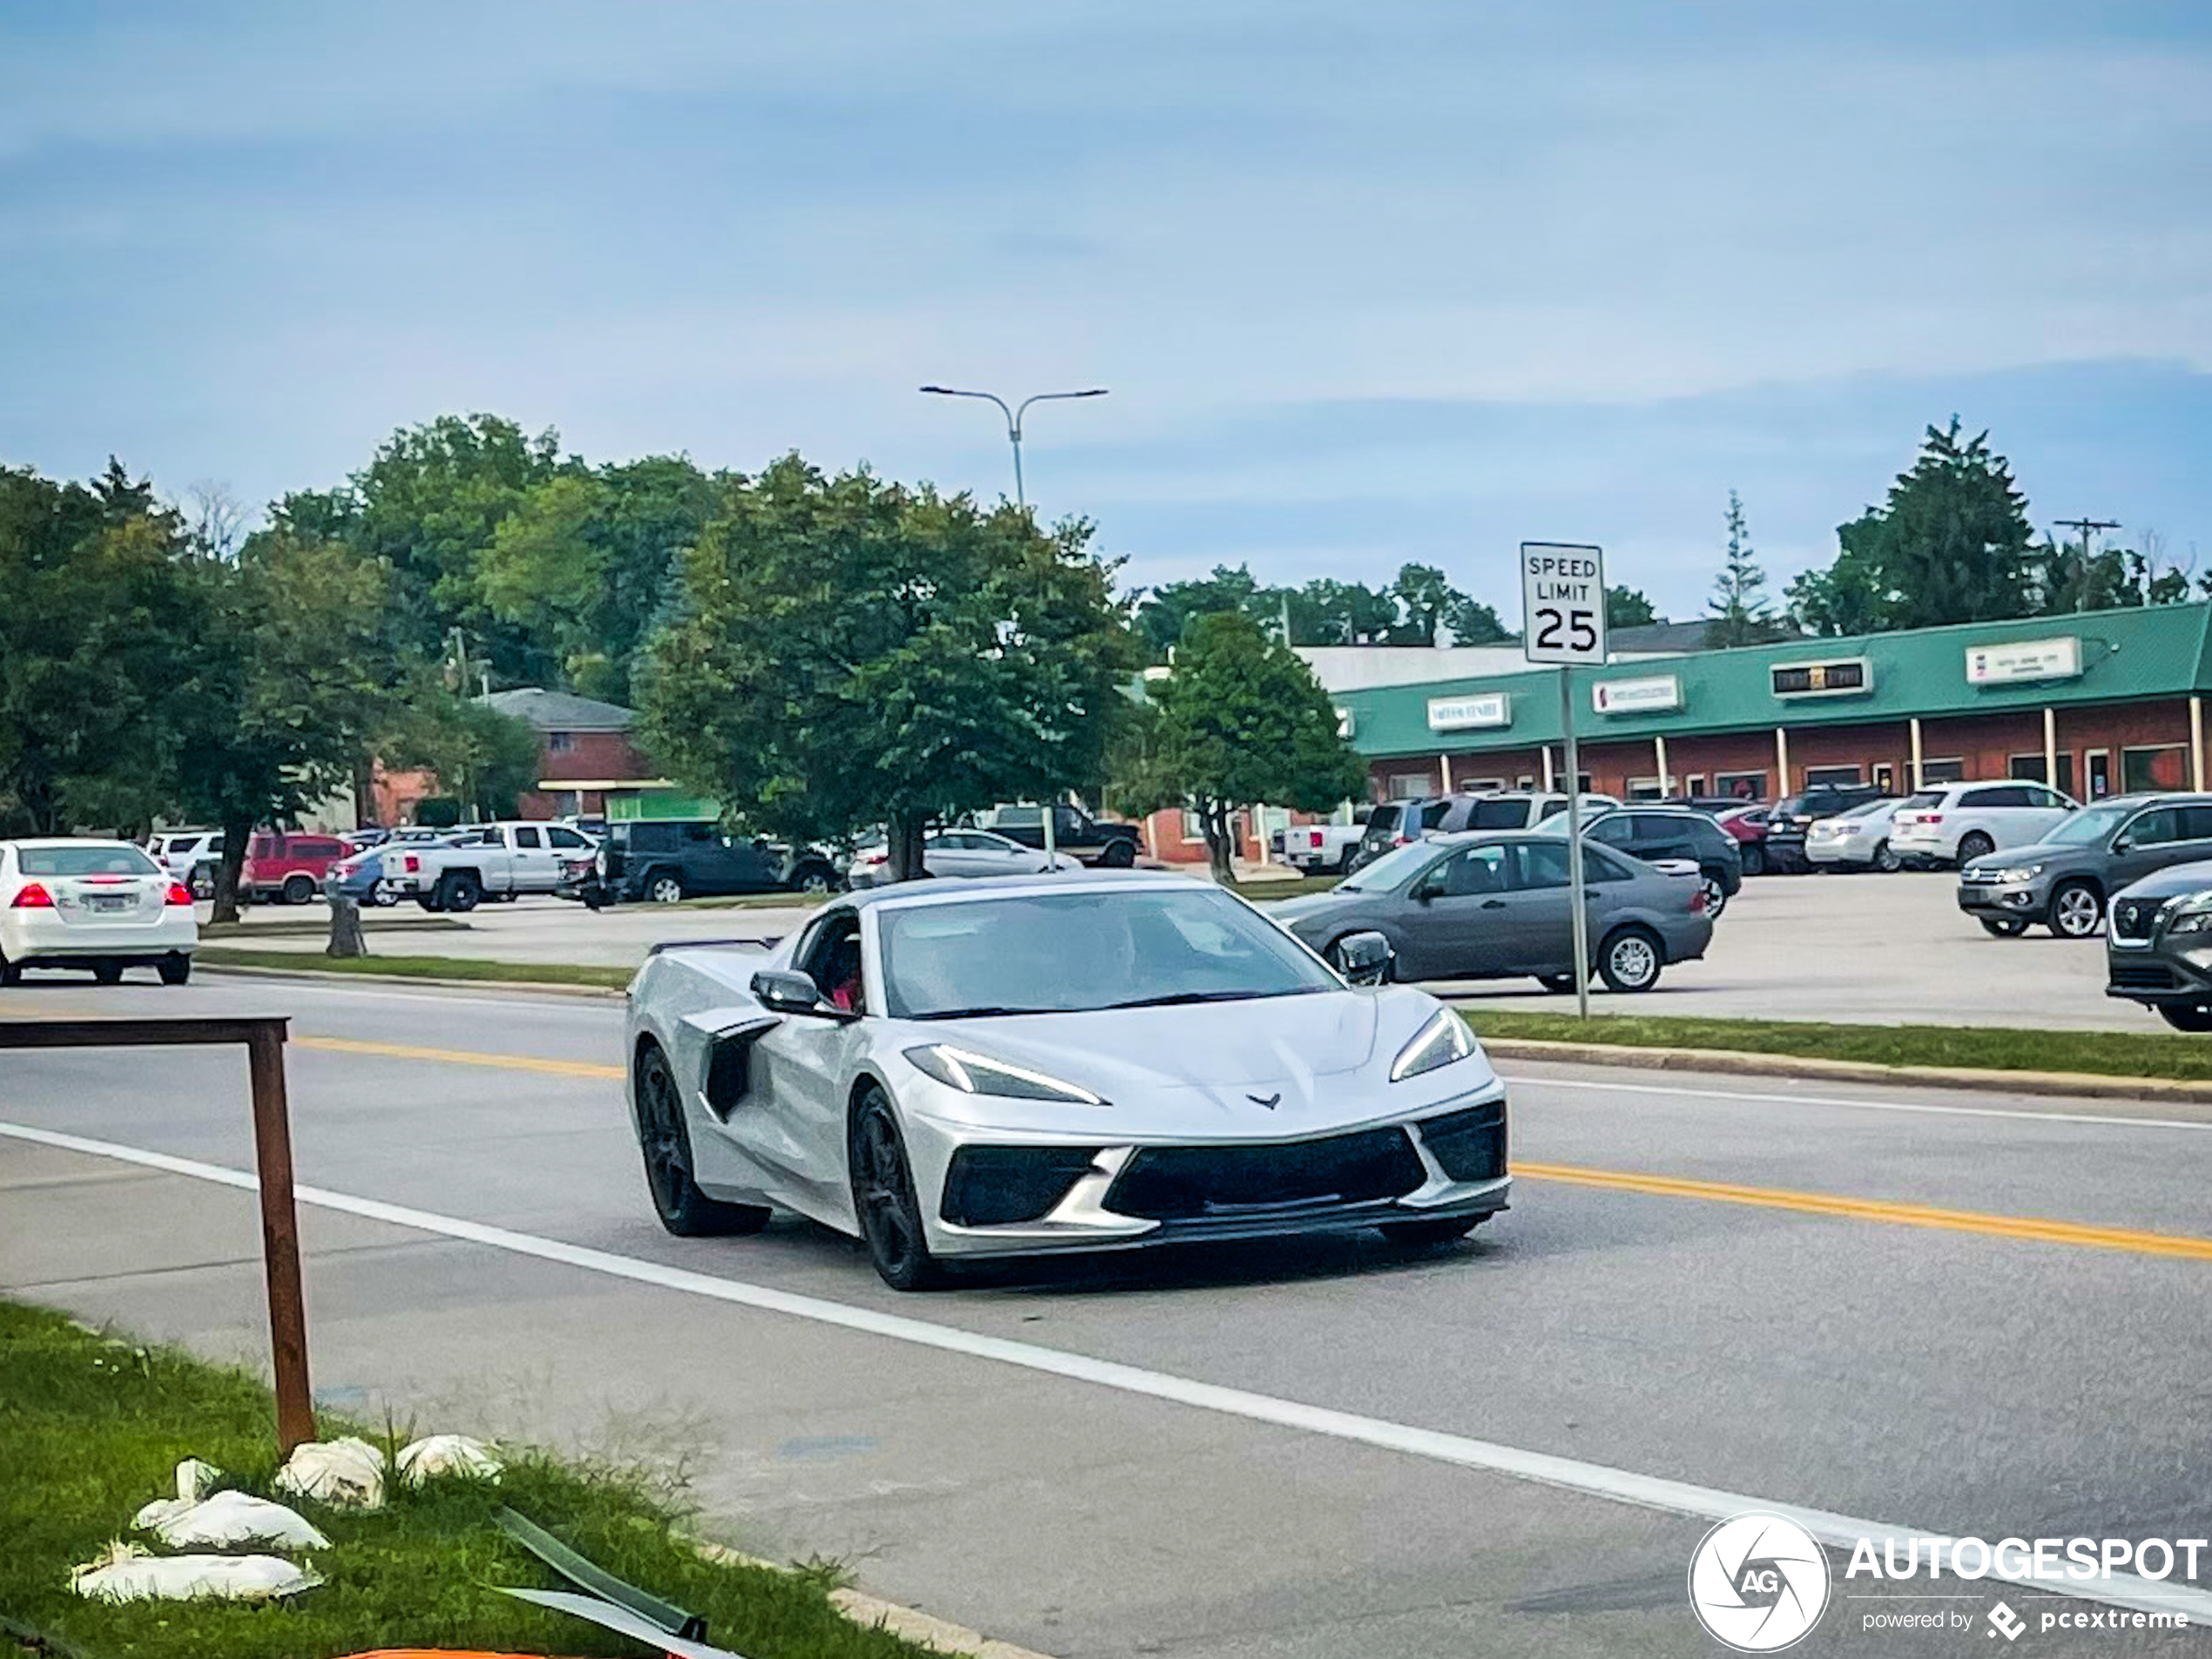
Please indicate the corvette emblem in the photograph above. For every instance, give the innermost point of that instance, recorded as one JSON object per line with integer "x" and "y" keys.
{"x": 1269, "y": 1101}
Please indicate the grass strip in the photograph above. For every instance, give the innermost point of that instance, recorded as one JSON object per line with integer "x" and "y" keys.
{"x": 463, "y": 967}
{"x": 2104, "y": 1053}
{"x": 93, "y": 1427}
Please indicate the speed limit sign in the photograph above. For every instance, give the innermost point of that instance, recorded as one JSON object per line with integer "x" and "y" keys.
{"x": 1562, "y": 602}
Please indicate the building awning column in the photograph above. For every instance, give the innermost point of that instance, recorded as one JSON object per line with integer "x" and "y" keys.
{"x": 2051, "y": 746}
{"x": 1918, "y": 784}
{"x": 1659, "y": 754}
{"x": 1445, "y": 762}
{"x": 1549, "y": 776}
{"x": 2197, "y": 741}
{"x": 1781, "y": 762}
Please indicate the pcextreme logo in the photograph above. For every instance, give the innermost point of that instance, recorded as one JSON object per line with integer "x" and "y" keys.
{"x": 1758, "y": 1582}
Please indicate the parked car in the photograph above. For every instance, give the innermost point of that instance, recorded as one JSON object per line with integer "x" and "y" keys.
{"x": 1396, "y": 823}
{"x": 105, "y": 906}
{"x": 499, "y": 861}
{"x": 1657, "y": 834}
{"x": 1493, "y": 905}
{"x": 1859, "y": 840}
{"x": 1075, "y": 832}
{"x": 936, "y": 1072}
{"x": 955, "y": 852}
{"x": 283, "y": 866}
{"x": 364, "y": 877}
{"x": 2158, "y": 950}
{"x": 190, "y": 856}
{"x": 2063, "y": 881}
{"x": 1716, "y": 805}
{"x": 1745, "y": 824}
{"x": 664, "y": 860}
{"x": 1784, "y": 845}
{"x": 1512, "y": 809}
{"x": 1967, "y": 821}
{"x": 1317, "y": 849}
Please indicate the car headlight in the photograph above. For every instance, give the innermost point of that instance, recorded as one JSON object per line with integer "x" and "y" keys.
{"x": 2195, "y": 916}
{"x": 1443, "y": 1040}
{"x": 975, "y": 1074}
{"x": 2018, "y": 873}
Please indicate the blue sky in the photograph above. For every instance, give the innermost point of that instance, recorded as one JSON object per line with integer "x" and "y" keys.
{"x": 1406, "y": 280}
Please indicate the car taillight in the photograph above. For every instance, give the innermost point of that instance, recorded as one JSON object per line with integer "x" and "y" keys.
{"x": 1314, "y": 839}
{"x": 877, "y": 858}
{"x": 177, "y": 894}
{"x": 1401, "y": 841}
{"x": 33, "y": 897}
{"x": 1929, "y": 817}
{"x": 1697, "y": 899}
{"x": 413, "y": 863}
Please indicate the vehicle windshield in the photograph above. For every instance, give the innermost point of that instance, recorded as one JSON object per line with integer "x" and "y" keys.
{"x": 1080, "y": 951}
{"x": 1391, "y": 870}
{"x": 2090, "y": 824}
{"x": 95, "y": 859}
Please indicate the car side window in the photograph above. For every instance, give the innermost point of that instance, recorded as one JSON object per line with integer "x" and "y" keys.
{"x": 1477, "y": 870}
{"x": 1602, "y": 867}
{"x": 1616, "y": 831}
{"x": 1021, "y": 818}
{"x": 492, "y": 837}
{"x": 2156, "y": 827}
{"x": 2196, "y": 823}
{"x": 1543, "y": 864}
{"x": 527, "y": 837}
{"x": 565, "y": 838}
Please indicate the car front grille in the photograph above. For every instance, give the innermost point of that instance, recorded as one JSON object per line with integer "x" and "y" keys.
{"x": 2134, "y": 918}
{"x": 1194, "y": 1183}
{"x": 2142, "y": 977}
{"x": 996, "y": 1186}
{"x": 1468, "y": 1145}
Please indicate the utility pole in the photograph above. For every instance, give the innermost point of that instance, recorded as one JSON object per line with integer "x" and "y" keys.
{"x": 2089, "y": 527}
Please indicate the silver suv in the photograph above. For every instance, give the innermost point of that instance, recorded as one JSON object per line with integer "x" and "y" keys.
{"x": 2063, "y": 881}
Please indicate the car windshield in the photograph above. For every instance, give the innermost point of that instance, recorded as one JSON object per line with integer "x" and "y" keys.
{"x": 86, "y": 860}
{"x": 1391, "y": 870}
{"x": 1069, "y": 952}
{"x": 2091, "y": 823}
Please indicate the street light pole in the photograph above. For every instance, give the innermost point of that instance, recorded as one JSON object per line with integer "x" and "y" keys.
{"x": 1020, "y": 499}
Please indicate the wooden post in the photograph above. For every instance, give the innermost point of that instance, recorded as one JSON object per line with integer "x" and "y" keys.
{"x": 279, "y": 1239}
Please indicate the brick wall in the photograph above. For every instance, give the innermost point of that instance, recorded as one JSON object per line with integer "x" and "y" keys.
{"x": 595, "y": 754}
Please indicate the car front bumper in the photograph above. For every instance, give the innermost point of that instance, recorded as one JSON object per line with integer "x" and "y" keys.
{"x": 2021, "y": 900}
{"x": 1072, "y": 1193}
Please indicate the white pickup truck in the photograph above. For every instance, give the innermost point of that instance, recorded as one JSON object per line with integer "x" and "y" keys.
{"x": 1320, "y": 849}
{"x": 499, "y": 861}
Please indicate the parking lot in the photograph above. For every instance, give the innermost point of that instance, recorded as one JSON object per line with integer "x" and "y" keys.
{"x": 1867, "y": 948}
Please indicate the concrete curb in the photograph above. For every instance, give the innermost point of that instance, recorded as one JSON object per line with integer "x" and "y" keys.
{"x": 326, "y": 976}
{"x": 1735, "y": 1063}
{"x": 910, "y": 1623}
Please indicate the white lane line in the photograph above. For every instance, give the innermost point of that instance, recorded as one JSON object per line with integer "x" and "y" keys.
{"x": 1621, "y": 1486}
{"x": 2026, "y": 1114}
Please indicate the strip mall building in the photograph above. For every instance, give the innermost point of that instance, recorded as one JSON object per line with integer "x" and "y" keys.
{"x": 2099, "y": 704}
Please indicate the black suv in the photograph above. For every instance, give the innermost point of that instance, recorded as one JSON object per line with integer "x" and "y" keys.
{"x": 1655, "y": 832}
{"x": 665, "y": 859}
{"x": 1784, "y": 846}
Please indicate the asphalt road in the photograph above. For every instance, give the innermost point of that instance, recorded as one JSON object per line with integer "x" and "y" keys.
{"x": 1298, "y": 1452}
{"x": 1865, "y": 947}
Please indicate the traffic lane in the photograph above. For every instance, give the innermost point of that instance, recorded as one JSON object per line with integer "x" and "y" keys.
{"x": 1583, "y": 1322}
{"x": 552, "y": 930}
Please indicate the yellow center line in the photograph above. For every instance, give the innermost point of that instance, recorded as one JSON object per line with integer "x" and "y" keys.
{"x": 462, "y": 1057}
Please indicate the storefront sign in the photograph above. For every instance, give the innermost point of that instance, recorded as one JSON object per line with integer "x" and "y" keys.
{"x": 2027, "y": 659}
{"x": 1844, "y": 677}
{"x": 1650, "y": 696}
{"x": 1465, "y": 713}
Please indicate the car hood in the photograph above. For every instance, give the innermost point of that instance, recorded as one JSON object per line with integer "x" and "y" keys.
{"x": 1287, "y": 913}
{"x": 2170, "y": 882}
{"x": 1270, "y": 1066}
{"x": 2041, "y": 852}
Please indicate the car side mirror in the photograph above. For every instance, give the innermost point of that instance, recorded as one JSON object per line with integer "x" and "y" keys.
{"x": 1365, "y": 958}
{"x": 785, "y": 990}
{"x": 2121, "y": 844}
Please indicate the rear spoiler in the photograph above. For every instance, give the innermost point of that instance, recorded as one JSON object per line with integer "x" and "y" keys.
{"x": 767, "y": 942}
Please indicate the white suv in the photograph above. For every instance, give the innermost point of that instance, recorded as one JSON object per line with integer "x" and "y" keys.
{"x": 1965, "y": 820}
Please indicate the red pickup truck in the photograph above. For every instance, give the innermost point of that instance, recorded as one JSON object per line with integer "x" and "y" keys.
{"x": 287, "y": 868}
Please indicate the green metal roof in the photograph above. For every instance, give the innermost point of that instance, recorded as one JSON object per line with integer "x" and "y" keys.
{"x": 2159, "y": 652}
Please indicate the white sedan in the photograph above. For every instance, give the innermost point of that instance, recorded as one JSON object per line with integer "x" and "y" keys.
{"x": 958, "y": 853}
{"x": 100, "y": 904}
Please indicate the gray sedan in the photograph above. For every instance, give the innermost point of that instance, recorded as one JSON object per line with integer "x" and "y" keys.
{"x": 957, "y": 853}
{"x": 1495, "y": 906}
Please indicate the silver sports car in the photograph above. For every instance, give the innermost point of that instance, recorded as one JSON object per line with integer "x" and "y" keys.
{"x": 955, "y": 1071}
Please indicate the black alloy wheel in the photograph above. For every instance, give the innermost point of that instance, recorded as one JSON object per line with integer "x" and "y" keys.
{"x": 883, "y": 1194}
{"x": 666, "y": 1143}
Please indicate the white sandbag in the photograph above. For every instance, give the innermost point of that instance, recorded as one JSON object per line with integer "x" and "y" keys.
{"x": 239, "y": 1518}
{"x": 126, "y": 1573}
{"x": 436, "y": 1454}
{"x": 195, "y": 1481}
{"x": 348, "y": 1474}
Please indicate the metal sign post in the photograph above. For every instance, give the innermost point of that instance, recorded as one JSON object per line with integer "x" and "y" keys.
{"x": 1562, "y": 613}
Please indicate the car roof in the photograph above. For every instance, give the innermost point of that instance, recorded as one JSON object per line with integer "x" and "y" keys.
{"x": 999, "y": 886}
{"x": 68, "y": 840}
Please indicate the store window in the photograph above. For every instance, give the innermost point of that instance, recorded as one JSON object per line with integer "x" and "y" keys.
{"x": 1194, "y": 828}
{"x": 560, "y": 743}
{"x": 1816, "y": 776}
{"x": 1947, "y": 769}
{"x": 1526, "y": 780}
{"x": 1694, "y": 785}
{"x": 1408, "y": 785}
{"x": 1645, "y": 789}
{"x": 1886, "y": 778}
{"x": 1481, "y": 785}
{"x": 1742, "y": 785}
{"x": 2163, "y": 767}
{"x": 2029, "y": 768}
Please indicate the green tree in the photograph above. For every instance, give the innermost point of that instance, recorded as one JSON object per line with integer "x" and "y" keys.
{"x": 1627, "y": 608}
{"x": 1325, "y": 611}
{"x": 1162, "y": 613}
{"x": 94, "y": 634}
{"x": 1240, "y": 722}
{"x": 1954, "y": 543}
{"x": 1740, "y": 609}
{"x": 1424, "y": 599}
{"x": 1850, "y": 596}
{"x": 850, "y": 652}
{"x": 1473, "y": 622}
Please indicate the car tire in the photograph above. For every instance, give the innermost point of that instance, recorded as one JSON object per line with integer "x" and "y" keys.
{"x": 1557, "y": 984}
{"x": 884, "y": 1200}
{"x": 1886, "y": 859}
{"x": 383, "y": 896}
{"x": 2004, "y": 927}
{"x": 662, "y": 886}
{"x": 431, "y": 901}
{"x": 1117, "y": 856}
{"x": 108, "y": 974}
{"x": 1432, "y": 1234}
{"x": 2186, "y": 1016}
{"x": 814, "y": 880}
{"x": 1973, "y": 845}
{"x": 2076, "y": 910}
{"x": 1715, "y": 895}
{"x": 174, "y": 970}
{"x": 10, "y": 974}
{"x": 1754, "y": 859}
{"x": 458, "y": 892}
{"x": 666, "y": 1142}
{"x": 1630, "y": 960}
{"x": 297, "y": 889}
{"x": 1347, "y": 861}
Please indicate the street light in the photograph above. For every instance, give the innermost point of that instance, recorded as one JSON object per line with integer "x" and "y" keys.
{"x": 1014, "y": 418}
{"x": 1014, "y": 436}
